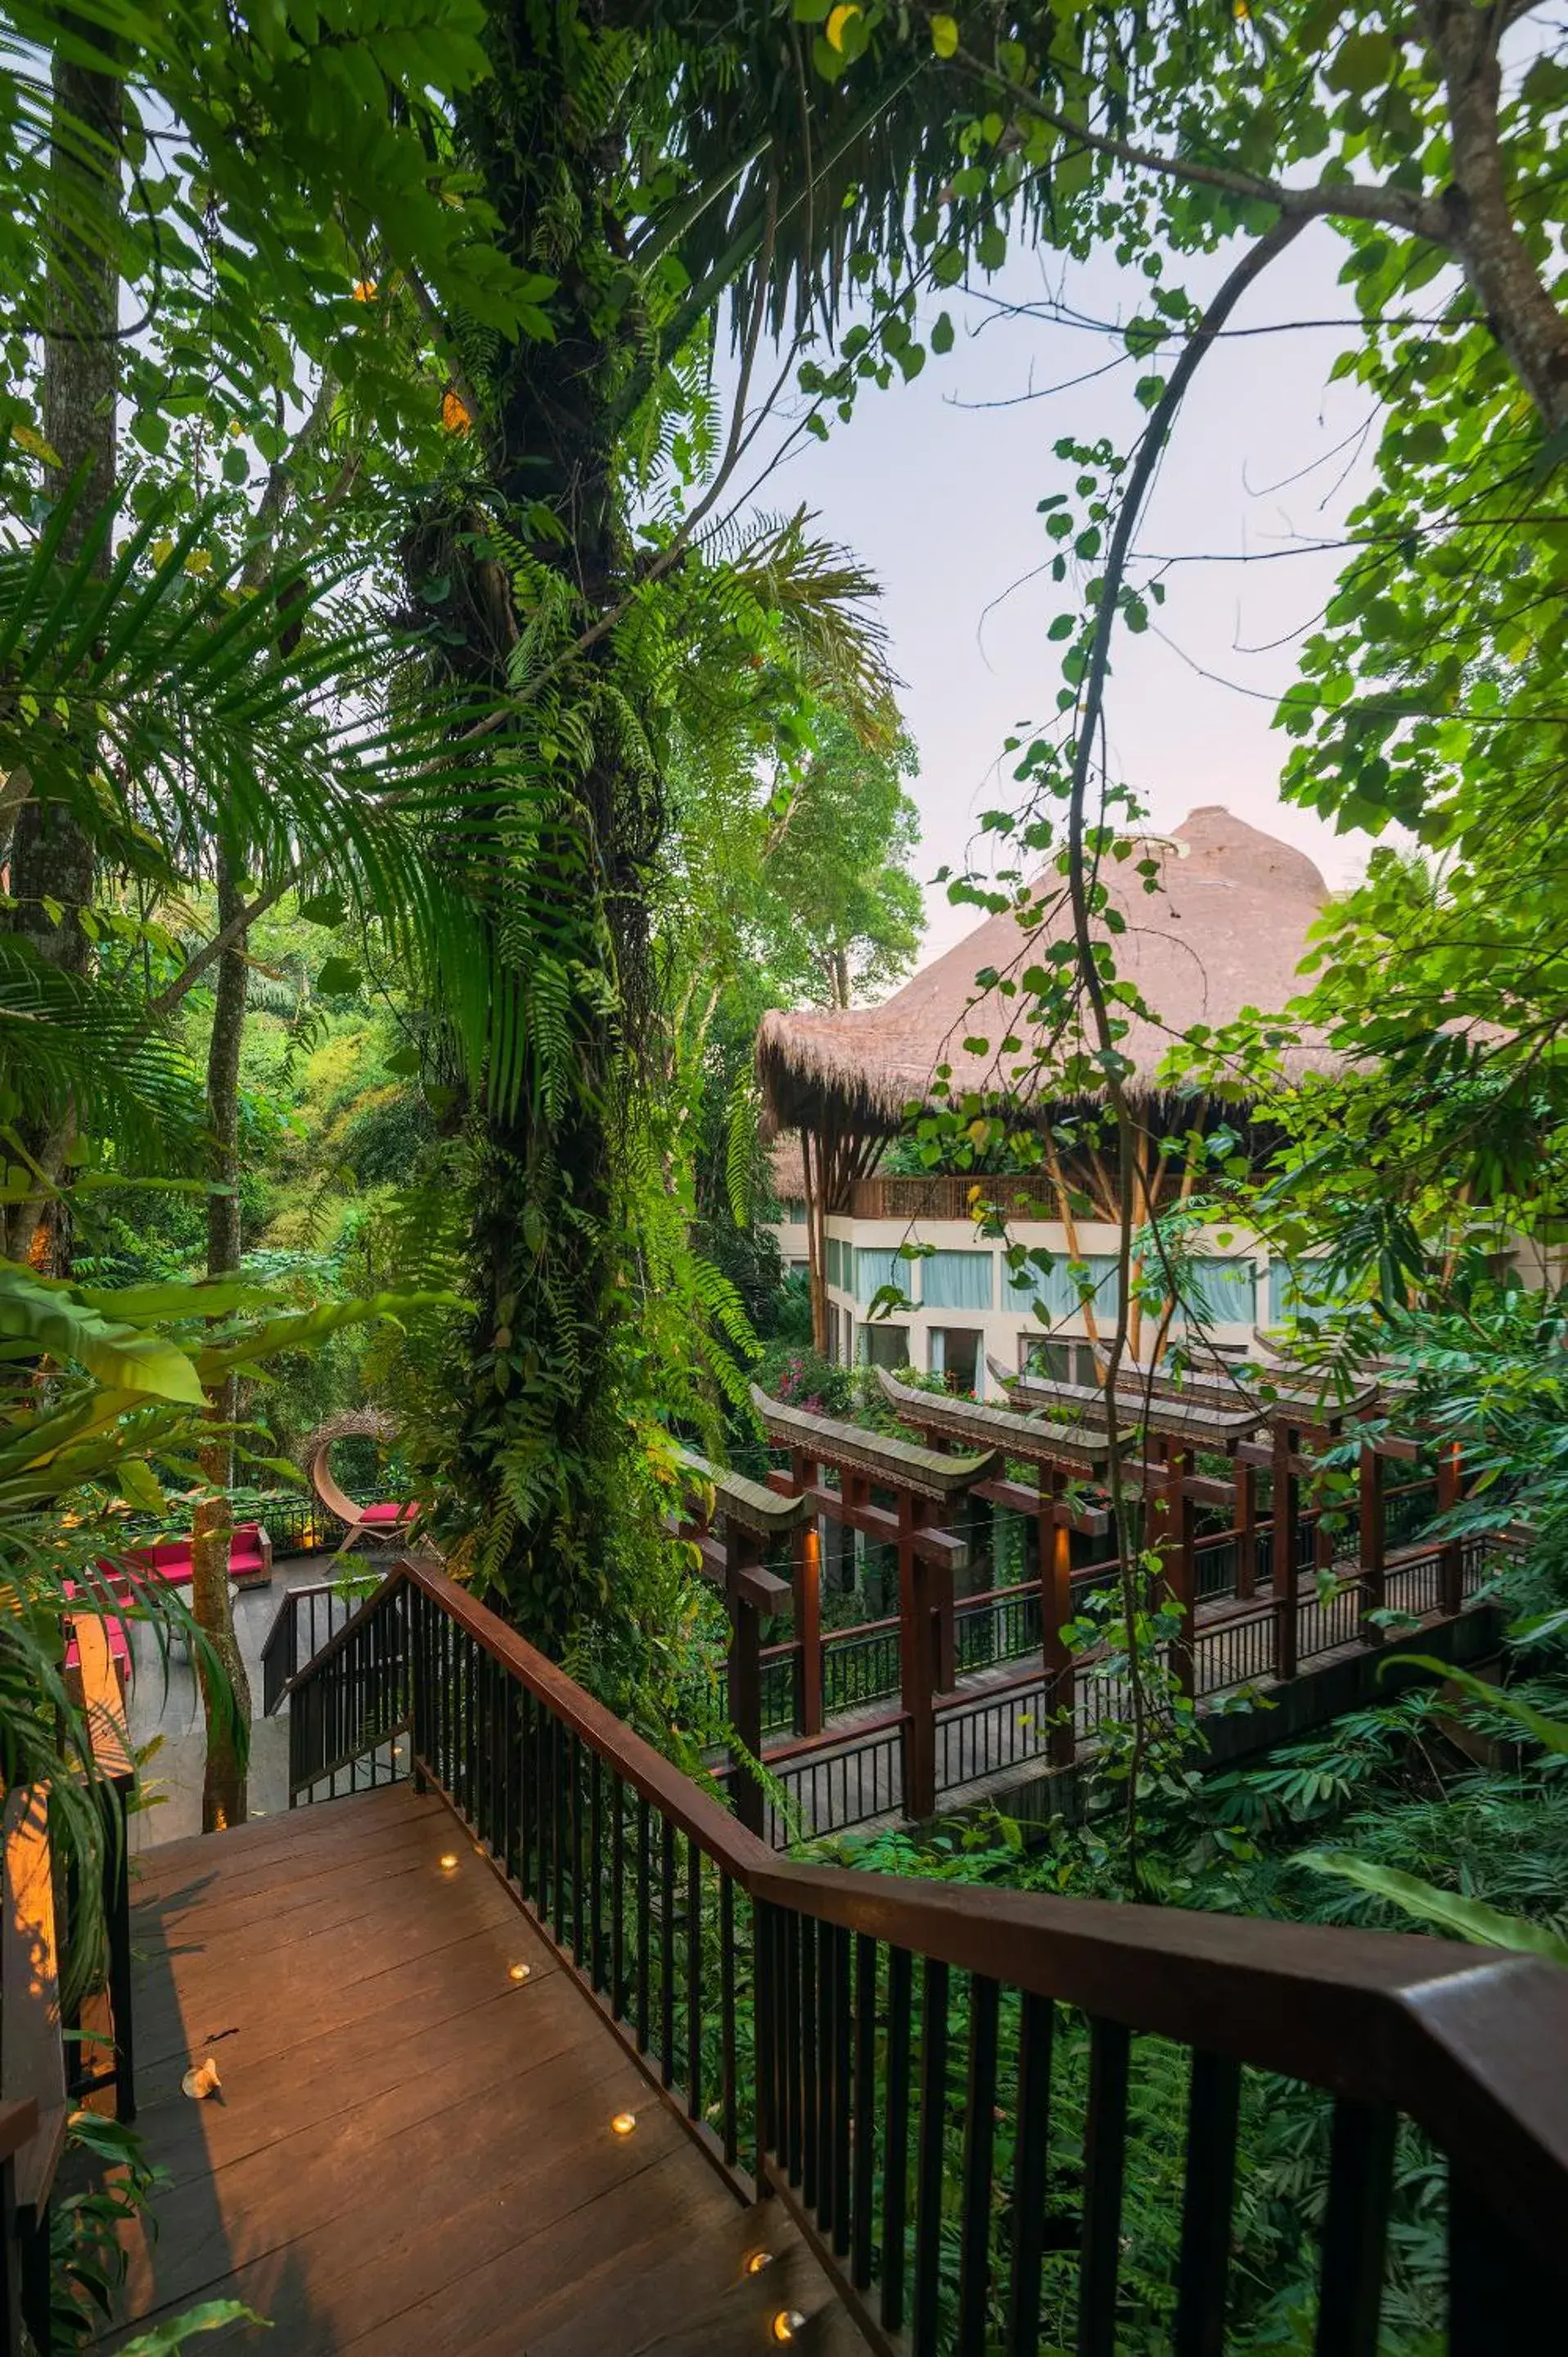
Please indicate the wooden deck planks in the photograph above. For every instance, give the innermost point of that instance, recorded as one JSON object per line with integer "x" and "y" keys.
{"x": 413, "y": 2153}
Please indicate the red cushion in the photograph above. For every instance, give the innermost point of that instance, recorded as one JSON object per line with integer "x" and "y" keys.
{"x": 166, "y": 1559}
{"x": 386, "y": 1516}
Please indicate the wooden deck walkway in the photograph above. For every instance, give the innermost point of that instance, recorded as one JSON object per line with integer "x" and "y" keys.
{"x": 413, "y": 2151}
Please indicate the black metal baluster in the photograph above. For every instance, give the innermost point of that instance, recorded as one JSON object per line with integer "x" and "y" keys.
{"x": 864, "y": 2166}
{"x": 931, "y": 2141}
{"x": 558, "y": 1828}
{"x": 574, "y": 1772}
{"x": 515, "y": 1699}
{"x": 1031, "y": 2154}
{"x": 495, "y": 1759}
{"x": 525, "y": 1793}
{"x": 827, "y": 2085}
{"x": 895, "y": 2141}
{"x": 693, "y": 1980}
{"x": 1104, "y": 2167}
{"x": 1212, "y": 2112}
{"x": 618, "y": 1898}
{"x": 791, "y": 2138}
{"x": 1502, "y": 2301}
{"x": 644, "y": 1917}
{"x": 978, "y": 2146}
{"x": 595, "y": 1870}
{"x": 667, "y": 1952}
{"x": 764, "y": 1935}
{"x": 1355, "y": 2230}
{"x": 470, "y": 1725}
{"x": 728, "y": 2123}
{"x": 842, "y": 2074}
{"x": 811, "y": 2067}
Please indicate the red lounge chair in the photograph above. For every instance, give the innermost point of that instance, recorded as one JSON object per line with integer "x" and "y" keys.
{"x": 251, "y": 1555}
{"x": 386, "y": 1517}
{"x": 250, "y": 1560}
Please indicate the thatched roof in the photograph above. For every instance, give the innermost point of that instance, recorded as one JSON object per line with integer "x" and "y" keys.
{"x": 787, "y": 1165}
{"x": 1227, "y": 929}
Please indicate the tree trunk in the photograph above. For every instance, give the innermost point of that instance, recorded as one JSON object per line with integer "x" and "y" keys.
{"x": 540, "y": 1435}
{"x": 227, "y": 1714}
{"x": 51, "y": 859}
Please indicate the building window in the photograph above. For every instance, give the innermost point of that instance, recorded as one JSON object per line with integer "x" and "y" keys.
{"x": 957, "y": 1280}
{"x": 1220, "y": 1292}
{"x": 877, "y": 1266}
{"x": 837, "y": 1256}
{"x": 1306, "y": 1287}
{"x": 884, "y": 1346}
{"x": 955, "y": 1356}
{"x": 1062, "y": 1286}
{"x": 795, "y": 1212}
{"x": 1058, "y": 1363}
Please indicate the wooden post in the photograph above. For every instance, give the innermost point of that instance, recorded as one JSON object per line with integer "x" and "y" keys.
{"x": 1246, "y": 1482}
{"x": 808, "y": 1584}
{"x": 1285, "y": 1577}
{"x": 1056, "y": 1611}
{"x": 1179, "y": 1566}
{"x": 1373, "y": 1545}
{"x": 745, "y": 1683}
{"x": 1450, "y": 1491}
{"x": 916, "y": 1665}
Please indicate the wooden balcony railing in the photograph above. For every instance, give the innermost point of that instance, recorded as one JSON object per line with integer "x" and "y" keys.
{"x": 953, "y": 2091}
{"x": 947, "y": 1198}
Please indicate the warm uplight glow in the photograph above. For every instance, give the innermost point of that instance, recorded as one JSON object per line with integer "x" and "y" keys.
{"x": 624, "y": 2123}
{"x": 449, "y": 1862}
{"x": 757, "y": 2261}
{"x": 517, "y": 1972}
{"x": 786, "y": 2323}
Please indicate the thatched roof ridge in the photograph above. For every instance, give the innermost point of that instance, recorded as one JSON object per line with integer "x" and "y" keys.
{"x": 1227, "y": 929}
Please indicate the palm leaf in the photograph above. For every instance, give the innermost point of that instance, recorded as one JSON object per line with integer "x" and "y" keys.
{"x": 1468, "y": 1918}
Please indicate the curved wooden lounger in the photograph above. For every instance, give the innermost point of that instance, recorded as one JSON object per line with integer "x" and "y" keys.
{"x": 363, "y": 1522}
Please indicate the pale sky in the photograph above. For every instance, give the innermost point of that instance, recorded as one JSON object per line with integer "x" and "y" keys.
{"x": 938, "y": 498}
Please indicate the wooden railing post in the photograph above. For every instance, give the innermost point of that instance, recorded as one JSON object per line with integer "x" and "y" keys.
{"x": 1373, "y": 1549}
{"x": 1246, "y": 1484}
{"x": 916, "y": 1665}
{"x": 1450, "y": 1491}
{"x": 807, "y": 1586}
{"x": 745, "y": 1696}
{"x": 1056, "y": 1611}
{"x": 1286, "y": 1502}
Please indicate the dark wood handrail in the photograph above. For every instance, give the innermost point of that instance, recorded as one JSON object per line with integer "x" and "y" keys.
{"x": 645, "y": 1770}
{"x": 1471, "y": 2045}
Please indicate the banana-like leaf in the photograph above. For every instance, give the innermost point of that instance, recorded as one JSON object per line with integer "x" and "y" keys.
{"x": 306, "y": 1327}
{"x": 1471, "y": 1919}
{"x": 210, "y": 1298}
{"x": 1550, "y": 1733}
{"x": 212, "y": 2316}
{"x": 56, "y": 1320}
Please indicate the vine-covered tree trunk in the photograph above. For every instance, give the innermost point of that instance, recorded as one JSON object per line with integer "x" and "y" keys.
{"x": 50, "y": 855}
{"x": 541, "y": 1433}
{"x": 227, "y": 1708}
